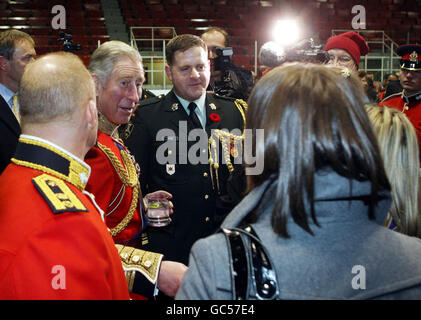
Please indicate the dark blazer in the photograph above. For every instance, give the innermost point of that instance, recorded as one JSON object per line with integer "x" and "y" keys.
{"x": 9, "y": 133}
{"x": 195, "y": 193}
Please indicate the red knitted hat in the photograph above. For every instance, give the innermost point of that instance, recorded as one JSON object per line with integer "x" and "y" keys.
{"x": 351, "y": 42}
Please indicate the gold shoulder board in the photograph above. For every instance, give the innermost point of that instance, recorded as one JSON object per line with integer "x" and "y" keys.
{"x": 58, "y": 195}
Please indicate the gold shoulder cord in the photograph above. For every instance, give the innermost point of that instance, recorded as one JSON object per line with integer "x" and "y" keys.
{"x": 226, "y": 139}
{"x": 128, "y": 176}
{"x": 241, "y": 106}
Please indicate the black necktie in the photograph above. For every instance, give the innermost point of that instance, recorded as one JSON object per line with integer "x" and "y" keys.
{"x": 193, "y": 116}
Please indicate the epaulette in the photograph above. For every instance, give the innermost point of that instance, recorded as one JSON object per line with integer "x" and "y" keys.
{"x": 150, "y": 101}
{"x": 147, "y": 94}
{"x": 216, "y": 95}
{"x": 239, "y": 103}
{"x": 57, "y": 194}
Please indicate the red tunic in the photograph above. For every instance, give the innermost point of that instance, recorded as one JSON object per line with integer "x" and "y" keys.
{"x": 411, "y": 106}
{"x": 52, "y": 253}
{"x": 118, "y": 200}
{"x": 114, "y": 181}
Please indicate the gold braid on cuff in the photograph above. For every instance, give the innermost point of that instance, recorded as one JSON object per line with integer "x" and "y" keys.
{"x": 137, "y": 260}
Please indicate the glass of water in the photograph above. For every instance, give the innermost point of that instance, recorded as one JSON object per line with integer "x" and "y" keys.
{"x": 158, "y": 212}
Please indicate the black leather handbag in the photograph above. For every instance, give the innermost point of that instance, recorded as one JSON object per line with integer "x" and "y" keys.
{"x": 253, "y": 276}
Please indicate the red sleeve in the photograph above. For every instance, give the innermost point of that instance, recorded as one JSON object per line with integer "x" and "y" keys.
{"x": 79, "y": 264}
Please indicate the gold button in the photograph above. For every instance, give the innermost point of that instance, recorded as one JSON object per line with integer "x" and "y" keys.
{"x": 207, "y": 219}
{"x": 62, "y": 196}
{"x": 51, "y": 183}
{"x": 406, "y": 108}
{"x": 147, "y": 264}
{"x": 206, "y": 196}
{"x": 205, "y": 174}
{"x": 68, "y": 204}
{"x": 135, "y": 259}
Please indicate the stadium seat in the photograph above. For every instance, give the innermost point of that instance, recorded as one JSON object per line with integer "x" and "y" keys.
{"x": 246, "y": 21}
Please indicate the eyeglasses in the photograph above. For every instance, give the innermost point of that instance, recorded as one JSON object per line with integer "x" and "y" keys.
{"x": 341, "y": 60}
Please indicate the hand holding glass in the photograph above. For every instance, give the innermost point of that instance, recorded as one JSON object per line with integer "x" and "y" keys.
{"x": 158, "y": 212}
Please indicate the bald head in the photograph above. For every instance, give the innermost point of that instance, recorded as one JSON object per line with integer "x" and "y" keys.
{"x": 57, "y": 102}
{"x": 54, "y": 87}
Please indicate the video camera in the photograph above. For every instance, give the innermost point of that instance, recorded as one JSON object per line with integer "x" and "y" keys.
{"x": 235, "y": 82}
{"x": 306, "y": 51}
{"x": 68, "y": 44}
{"x": 223, "y": 60}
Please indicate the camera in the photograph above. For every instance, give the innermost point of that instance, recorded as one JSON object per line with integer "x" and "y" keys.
{"x": 68, "y": 44}
{"x": 223, "y": 60}
{"x": 234, "y": 82}
{"x": 306, "y": 51}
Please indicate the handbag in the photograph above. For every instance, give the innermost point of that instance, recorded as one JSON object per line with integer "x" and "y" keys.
{"x": 252, "y": 274}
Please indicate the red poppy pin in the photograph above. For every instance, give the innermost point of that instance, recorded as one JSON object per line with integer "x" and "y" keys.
{"x": 214, "y": 117}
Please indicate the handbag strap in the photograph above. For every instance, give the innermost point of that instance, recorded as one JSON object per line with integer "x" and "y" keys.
{"x": 250, "y": 266}
{"x": 238, "y": 264}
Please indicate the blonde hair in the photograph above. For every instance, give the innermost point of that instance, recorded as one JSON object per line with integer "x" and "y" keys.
{"x": 53, "y": 87}
{"x": 106, "y": 55}
{"x": 399, "y": 149}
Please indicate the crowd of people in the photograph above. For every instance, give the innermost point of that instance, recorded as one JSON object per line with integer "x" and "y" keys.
{"x": 84, "y": 147}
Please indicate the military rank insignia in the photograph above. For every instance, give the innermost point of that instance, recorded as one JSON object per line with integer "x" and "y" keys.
{"x": 413, "y": 57}
{"x": 170, "y": 169}
{"x": 57, "y": 194}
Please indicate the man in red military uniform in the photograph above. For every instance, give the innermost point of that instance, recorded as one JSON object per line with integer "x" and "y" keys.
{"x": 409, "y": 100}
{"x": 118, "y": 73}
{"x": 53, "y": 241}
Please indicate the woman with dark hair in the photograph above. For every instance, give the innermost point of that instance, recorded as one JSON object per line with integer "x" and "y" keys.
{"x": 311, "y": 225}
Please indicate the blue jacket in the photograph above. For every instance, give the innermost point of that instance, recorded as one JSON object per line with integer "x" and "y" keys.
{"x": 347, "y": 249}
